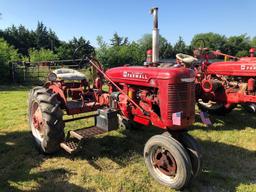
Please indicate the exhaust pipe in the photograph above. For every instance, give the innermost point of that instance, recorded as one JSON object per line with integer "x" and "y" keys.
{"x": 155, "y": 35}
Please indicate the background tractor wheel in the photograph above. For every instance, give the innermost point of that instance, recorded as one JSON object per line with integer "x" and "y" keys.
{"x": 167, "y": 161}
{"x": 215, "y": 108}
{"x": 45, "y": 120}
{"x": 193, "y": 148}
{"x": 249, "y": 107}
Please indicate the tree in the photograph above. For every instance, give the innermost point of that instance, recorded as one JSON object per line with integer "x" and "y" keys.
{"x": 236, "y": 44}
{"x": 213, "y": 41}
{"x": 180, "y": 46}
{"x": 118, "y": 55}
{"x": 7, "y": 54}
{"x": 66, "y": 50}
{"x": 42, "y": 55}
{"x": 45, "y": 38}
{"x": 20, "y": 37}
{"x": 118, "y": 41}
{"x": 165, "y": 48}
{"x": 23, "y": 39}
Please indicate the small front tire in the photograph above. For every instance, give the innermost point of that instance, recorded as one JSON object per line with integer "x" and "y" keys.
{"x": 167, "y": 161}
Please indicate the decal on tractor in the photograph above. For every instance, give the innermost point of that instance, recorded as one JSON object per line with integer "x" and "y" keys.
{"x": 248, "y": 67}
{"x": 135, "y": 75}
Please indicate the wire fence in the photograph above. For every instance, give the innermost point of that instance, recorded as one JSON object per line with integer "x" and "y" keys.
{"x": 37, "y": 72}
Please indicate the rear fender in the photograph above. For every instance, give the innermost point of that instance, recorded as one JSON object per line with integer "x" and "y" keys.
{"x": 59, "y": 91}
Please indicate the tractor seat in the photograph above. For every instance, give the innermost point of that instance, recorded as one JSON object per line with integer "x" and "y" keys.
{"x": 69, "y": 74}
{"x": 188, "y": 60}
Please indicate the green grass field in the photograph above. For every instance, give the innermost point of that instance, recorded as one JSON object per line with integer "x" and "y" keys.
{"x": 114, "y": 161}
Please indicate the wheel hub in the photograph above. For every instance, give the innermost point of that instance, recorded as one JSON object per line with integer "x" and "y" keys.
{"x": 164, "y": 162}
{"x": 37, "y": 121}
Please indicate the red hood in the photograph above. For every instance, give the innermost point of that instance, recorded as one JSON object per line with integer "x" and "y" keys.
{"x": 139, "y": 75}
{"x": 233, "y": 68}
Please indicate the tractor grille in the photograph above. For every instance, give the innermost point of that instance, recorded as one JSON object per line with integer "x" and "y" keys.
{"x": 180, "y": 98}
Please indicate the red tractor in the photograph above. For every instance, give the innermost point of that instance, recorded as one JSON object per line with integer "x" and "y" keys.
{"x": 220, "y": 86}
{"x": 148, "y": 95}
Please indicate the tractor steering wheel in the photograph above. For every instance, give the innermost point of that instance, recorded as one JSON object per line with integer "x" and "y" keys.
{"x": 81, "y": 62}
{"x": 202, "y": 52}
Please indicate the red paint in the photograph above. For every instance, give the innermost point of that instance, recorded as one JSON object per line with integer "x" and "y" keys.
{"x": 231, "y": 82}
{"x": 171, "y": 94}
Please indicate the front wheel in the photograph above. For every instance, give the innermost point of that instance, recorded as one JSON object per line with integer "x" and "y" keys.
{"x": 167, "y": 161}
{"x": 193, "y": 148}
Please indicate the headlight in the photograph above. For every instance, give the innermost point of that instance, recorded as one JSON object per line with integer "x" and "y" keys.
{"x": 52, "y": 77}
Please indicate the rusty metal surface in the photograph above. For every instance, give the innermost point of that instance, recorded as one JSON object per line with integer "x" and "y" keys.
{"x": 165, "y": 162}
{"x": 70, "y": 145}
{"x": 75, "y": 138}
{"x": 89, "y": 132}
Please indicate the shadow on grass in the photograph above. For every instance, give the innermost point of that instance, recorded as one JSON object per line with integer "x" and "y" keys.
{"x": 225, "y": 166}
{"x": 236, "y": 120}
{"x": 18, "y": 162}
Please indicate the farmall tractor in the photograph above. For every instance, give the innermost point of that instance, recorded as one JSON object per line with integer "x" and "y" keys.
{"x": 220, "y": 86}
{"x": 153, "y": 95}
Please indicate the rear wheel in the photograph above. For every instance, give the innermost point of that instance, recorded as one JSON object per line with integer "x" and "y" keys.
{"x": 215, "y": 108}
{"x": 45, "y": 120}
{"x": 167, "y": 161}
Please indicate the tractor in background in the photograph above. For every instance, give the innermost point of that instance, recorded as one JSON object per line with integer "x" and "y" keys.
{"x": 220, "y": 86}
{"x": 151, "y": 95}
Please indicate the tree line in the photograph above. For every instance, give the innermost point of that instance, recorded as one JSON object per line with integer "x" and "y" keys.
{"x": 20, "y": 43}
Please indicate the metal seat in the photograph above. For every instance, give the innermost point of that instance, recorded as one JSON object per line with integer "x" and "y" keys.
{"x": 69, "y": 74}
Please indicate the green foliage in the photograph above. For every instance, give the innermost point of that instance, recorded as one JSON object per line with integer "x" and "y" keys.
{"x": 234, "y": 45}
{"x": 45, "y": 38}
{"x": 112, "y": 56}
{"x": 118, "y": 41}
{"x": 165, "y": 48}
{"x": 180, "y": 46}
{"x": 42, "y": 55}
{"x": 242, "y": 53}
{"x": 213, "y": 41}
{"x": 66, "y": 50}
{"x": 253, "y": 42}
{"x": 7, "y": 54}
{"x": 237, "y": 43}
{"x": 24, "y": 39}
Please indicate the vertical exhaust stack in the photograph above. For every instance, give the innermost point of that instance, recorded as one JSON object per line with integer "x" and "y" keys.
{"x": 155, "y": 35}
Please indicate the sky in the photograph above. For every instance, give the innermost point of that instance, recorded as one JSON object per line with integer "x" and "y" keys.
{"x": 131, "y": 18}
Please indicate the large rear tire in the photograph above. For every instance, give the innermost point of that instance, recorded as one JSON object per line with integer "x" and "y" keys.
{"x": 45, "y": 120}
{"x": 167, "y": 161}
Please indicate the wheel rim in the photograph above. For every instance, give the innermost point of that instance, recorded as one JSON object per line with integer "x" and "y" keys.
{"x": 163, "y": 163}
{"x": 37, "y": 122}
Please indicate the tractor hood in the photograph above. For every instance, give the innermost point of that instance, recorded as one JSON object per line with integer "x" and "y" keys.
{"x": 139, "y": 75}
{"x": 233, "y": 68}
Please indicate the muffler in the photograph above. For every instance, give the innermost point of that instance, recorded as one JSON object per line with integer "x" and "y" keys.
{"x": 155, "y": 36}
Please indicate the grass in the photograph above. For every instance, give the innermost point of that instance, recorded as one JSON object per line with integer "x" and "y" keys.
{"x": 114, "y": 162}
